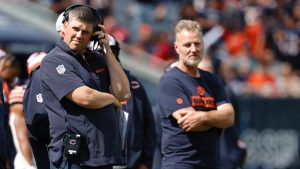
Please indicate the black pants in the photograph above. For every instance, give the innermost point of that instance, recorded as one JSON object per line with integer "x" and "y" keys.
{"x": 40, "y": 154}
{"x": 2, "y": 163}
{"x": 39, "y": 138}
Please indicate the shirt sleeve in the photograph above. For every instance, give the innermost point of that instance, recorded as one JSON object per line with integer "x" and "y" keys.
{"x": 220, "y": 92}
{"x": 59, "y": 76}
{"x": 172, "y": 96}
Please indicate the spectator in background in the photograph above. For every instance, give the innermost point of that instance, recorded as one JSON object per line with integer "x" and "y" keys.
{"x": 288, "y": 81}
{"x": 187, "y": 11}
{"x": 140, "y": 135}
{"x": 102, "y": 6}
{"x": 36, "y": 117}
{"x": 162, "y": 49}
{"x": 145, "y": 38}
{"x": 193, "y": 106}
{"x": 262, "y": 82}
{"x": 9, "y": 69}
{"x": 112, "y": 27}
{"x": 24, "y": 158}
{"x": 58, "y": 6}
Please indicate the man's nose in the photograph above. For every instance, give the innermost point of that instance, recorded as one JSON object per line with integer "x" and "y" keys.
{"x": 193, "y": 47}
{"x": 79, "y": 34}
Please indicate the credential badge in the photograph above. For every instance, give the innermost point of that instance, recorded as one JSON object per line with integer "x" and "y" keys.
{"x": 61, "y": 69}
{"x": 39, "y": 98}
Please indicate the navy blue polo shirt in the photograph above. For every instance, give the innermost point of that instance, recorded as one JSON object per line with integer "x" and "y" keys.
{"x": 62, "y": 72}
{"x": 35, "y": 115}
{"x": 189, "y": 150}
{"x": 141, "y": 135}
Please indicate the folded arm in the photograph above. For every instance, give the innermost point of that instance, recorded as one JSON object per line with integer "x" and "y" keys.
{"x": 92, "y": 99}
{"x": 223, "y": 117}
{"x": 190, "y": 120}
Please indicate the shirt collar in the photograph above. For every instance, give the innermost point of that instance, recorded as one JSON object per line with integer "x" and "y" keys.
{"x": 87, "y": 53}
{"x": 61, "y": 44}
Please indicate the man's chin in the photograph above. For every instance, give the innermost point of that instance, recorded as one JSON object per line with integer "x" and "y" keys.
{"x": 76, "y": 49}
{"x": 193, "y": 63}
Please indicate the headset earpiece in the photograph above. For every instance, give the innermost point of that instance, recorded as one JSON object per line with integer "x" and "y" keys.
{"x": 67, "y": 10}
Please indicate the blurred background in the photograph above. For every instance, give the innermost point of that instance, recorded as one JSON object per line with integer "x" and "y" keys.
{"x": 253, "y": 44}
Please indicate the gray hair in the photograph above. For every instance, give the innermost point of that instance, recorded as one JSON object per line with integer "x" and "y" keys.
{"x": 188, "y": 25}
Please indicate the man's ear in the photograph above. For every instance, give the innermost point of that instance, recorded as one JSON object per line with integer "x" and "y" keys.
{"x": 176, "y": 46}
{"x": 62, "y": 33}
{"x": 65, "y": 26}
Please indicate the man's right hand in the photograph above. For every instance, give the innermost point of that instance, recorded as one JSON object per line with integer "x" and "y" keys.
{"x": 190, "y": 120}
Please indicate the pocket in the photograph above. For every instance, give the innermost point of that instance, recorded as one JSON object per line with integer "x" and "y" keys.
{"x": 61, "y": 164}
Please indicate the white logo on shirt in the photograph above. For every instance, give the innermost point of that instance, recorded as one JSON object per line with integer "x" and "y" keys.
{"x": 61, "y": 69}
{"x": 39, "y": 98}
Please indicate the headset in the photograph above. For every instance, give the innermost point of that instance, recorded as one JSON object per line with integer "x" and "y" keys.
{"x": 95, "y": 12}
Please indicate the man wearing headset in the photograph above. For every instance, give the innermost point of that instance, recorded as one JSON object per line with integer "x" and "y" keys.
{"x": 82, "y": 91}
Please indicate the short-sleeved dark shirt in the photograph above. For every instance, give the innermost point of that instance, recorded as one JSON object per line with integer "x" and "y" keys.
{"x": 189, "y": 150}
{"x": 62, "y": 72}
{"x": 35, "y": 115}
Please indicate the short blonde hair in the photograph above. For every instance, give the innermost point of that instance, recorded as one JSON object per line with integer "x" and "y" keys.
{"x": 188, "y": 25}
